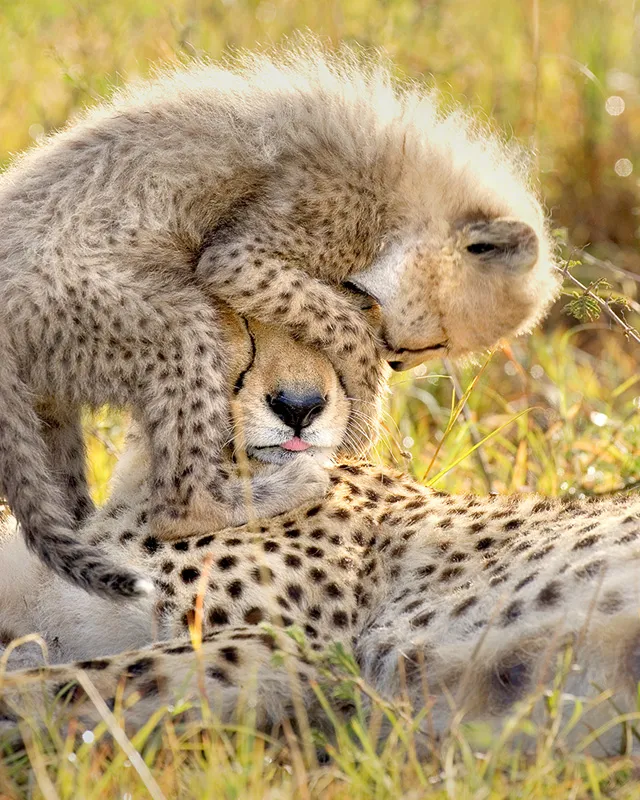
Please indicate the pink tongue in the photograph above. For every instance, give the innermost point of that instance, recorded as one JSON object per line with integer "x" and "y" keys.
{"x": 295, "y": 444}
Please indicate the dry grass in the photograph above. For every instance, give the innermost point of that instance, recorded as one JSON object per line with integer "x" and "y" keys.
{"x": 559, "y": 412}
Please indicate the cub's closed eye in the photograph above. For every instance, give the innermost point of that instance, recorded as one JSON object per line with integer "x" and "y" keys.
{"x": 401, "y": 350}
{"x": 478, "y": 248}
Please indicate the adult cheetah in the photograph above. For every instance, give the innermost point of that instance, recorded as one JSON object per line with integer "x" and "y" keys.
{"x": 473, "y": 597}
{"x": 267, "y": 184}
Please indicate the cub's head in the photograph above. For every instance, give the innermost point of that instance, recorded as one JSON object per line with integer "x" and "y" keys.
{"x": 287, "y": 398}
{"x": 466, "y": 258}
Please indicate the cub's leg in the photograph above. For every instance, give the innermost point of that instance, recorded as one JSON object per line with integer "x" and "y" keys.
{"x": 269, "y": 290}
{"x": 160, "y": 349}
{"x": 25, "y": 477}
{"x": 62, "y": 433}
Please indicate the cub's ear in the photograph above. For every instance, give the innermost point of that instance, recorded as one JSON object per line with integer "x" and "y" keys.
{"x": 502, "y": 243}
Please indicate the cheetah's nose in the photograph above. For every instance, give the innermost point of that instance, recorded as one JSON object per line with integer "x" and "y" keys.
{"x": 295, "y": 410}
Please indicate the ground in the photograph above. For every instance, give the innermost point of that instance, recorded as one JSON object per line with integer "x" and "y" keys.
{"x": 562, "y": 76}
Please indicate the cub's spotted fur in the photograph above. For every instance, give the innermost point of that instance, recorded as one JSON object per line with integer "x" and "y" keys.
{"x": 261, "y": 184}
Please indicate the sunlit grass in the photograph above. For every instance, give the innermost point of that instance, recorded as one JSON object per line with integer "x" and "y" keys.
{"x": 559, "y": 412}
{"x": 379, "y": 751}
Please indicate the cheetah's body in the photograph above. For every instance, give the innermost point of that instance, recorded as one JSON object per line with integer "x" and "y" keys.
{"x": 476, "y": 595}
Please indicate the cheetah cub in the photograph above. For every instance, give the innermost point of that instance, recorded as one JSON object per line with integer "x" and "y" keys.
{"x": 267, "y": 184}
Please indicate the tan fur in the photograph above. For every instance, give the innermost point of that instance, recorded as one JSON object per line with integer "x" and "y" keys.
{"x": 260, "y": 184}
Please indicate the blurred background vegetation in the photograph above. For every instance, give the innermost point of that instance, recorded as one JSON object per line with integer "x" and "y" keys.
{"x": 561, "y": 408}
{"x": 562, "y": 76}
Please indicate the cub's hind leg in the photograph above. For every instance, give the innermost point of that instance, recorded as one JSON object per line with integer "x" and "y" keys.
{"x": 62, "y": 433}
{"x": 36, "y": 500}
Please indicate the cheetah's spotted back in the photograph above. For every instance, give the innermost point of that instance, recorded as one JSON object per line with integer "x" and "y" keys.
{"x": 478, "y": 596}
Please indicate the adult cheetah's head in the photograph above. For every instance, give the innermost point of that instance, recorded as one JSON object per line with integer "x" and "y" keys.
{"x": 287, "y": 401}
{"x": 287, "y": 397}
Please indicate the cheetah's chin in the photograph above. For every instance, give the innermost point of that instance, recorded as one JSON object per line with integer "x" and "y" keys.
{"x": 276, "y": 454}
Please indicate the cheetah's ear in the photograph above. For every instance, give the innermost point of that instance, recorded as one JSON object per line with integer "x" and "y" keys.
{"x": 507, "y": 243}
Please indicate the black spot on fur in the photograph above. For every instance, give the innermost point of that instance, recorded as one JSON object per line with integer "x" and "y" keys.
{"x": 476, "y": 527}
{"x": 538, "y": 554}
{"x": 450, "y": 573}
{"x": 218, "y": 674}
{"x": 485, "y": 543}
{"x": 543, "y": 505}
{"x": 234, "y": 589}
{"x": 511, "y": 613}
{"x": 230, "y": 654}
{"x": 464, "y": 606}
{"x": 218, "y": 616}
{"x": 333, "y": 590}
{"x": 151, "y": 544}
{"x": 550, "y": 595}
{"x": 139, "y": 667}
{"x": 611, "y": 603}
{"x": 267, "y": 639}
{"x": 295, "y": 592}
{"x": 512, "y": 524}
{"x": 585, "y": 542}
{"x": 254, "y": 616}
{"x": 590, "y": 570}
{"x": 178, "y": 649}
{"x": 422, "y": 620}
{"x": 190, "y": 574}
{"x": 525, "y": 582}
{"x": 340, "y": 619}
{"x": 94, "y": 664}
